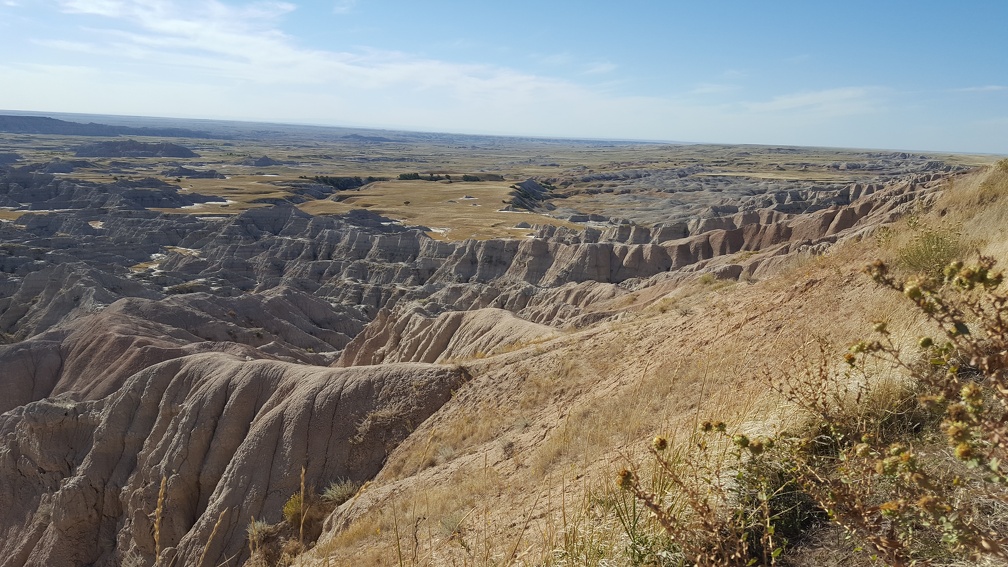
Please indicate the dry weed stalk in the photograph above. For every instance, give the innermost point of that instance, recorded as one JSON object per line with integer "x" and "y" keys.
{"x": 714, "y": 514}
{"x": 860, "y": 456}
{"x": 213, "y": 534}
{"x": 860, "y": 462}
{"x": 302, "y": 508}
{"x": 253, "y": 536}
{"x": 158, "y": 513}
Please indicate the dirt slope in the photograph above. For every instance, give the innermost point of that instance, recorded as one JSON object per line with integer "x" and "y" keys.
{"x": 506, "y": 472}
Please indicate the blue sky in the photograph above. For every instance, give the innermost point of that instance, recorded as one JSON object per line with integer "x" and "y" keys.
{"x": 880, "y": 74}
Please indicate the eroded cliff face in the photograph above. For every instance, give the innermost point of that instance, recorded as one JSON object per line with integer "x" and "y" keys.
{"x": 222, "y": 354}
{"x": 57, "y": 267}
{"x": 82, "y": 479}
{"x": 561, "y": 277}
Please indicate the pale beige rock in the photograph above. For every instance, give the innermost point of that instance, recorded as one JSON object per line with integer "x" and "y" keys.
{"x": 414, "y": 337}
{"x": 230, "y": 436}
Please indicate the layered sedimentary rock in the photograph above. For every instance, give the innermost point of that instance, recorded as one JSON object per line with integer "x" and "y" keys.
{"x": 82, "y": 479}
{"x": 207, "y": 350}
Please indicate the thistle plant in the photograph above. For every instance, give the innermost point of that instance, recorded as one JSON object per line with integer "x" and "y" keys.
{"x": 869, "y": 460}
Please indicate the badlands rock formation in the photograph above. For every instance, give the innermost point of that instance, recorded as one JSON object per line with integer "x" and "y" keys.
{"x": 82, "y": 478}
{"x": 224, "y": 353}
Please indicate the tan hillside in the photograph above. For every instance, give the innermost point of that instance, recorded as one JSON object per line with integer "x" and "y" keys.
{"x": 510, "y": 470}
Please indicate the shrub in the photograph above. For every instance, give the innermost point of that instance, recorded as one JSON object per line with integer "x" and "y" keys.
{"x": 293, "y": 509}
{"x": 907, "y": 503}
{"x": 724, "y": 499}
{"x": 930, "y": 250}
{"x": 257, "y": 532}
{"x": 869, "y": 459}
{"x": 340, "y": 491}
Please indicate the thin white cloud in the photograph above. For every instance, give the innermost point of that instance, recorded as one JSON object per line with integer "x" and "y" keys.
{"x": 800, "y": 58}
{"x": 713, "y": 88}
{"x": 245, "y": 43}
{"x": 344, "y": 6}
{"x": 983, "y": 89}
{"x": 211, "y": 59}
{"x": 150, "y": 10}
{"x": 600, "y": 68}
{"x": 823, "y": 103}
{"x": 68, "y": 45}
{"x": 556, "y": 59}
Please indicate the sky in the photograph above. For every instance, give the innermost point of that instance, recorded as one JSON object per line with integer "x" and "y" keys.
{"x": 885, "y": 74}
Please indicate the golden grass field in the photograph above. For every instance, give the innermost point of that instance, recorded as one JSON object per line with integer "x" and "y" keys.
{"x": 440, "y": 206}
{"x": 452, "y": 211}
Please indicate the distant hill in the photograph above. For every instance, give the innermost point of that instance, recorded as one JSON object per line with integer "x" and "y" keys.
{"x": 367, "y": 139}
{"x": 52, "y": 126}
{"x": 133, "y": 148}
{"x": 264, "y": 161}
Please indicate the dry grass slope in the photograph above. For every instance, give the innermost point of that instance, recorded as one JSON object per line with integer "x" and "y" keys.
{"x": 520, "y": 467}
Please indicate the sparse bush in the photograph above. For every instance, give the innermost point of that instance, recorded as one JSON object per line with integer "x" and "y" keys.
{"x": 340, "y": 491}
{"x": 869, "y": 455}
{"x": 293, "y": 509}
{"x": 257, "y": 531}
{"x": 724, "y": 499}
{"x": 906, "y": 502}
{"x": 930, "y": 250}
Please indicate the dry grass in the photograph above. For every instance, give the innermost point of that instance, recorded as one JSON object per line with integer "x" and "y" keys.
{"x": 441, "y": 206}
{"x": 978, "y": 205}
{"x": 518, "y": 468}
{"x": 158, "y": 513}
{"x": 213, "y": 533}
{"x": 445, "y": 520}
{"x": 591, "y": 400}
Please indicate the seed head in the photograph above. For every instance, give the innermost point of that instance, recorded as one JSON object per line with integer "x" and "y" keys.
{"x": 892, "y": 507}
{"x": 659, "y": 443}
{"x": 971, "y": 394}
{"x": 957, "y": 433}
{"x": 932, "y": 505}
{"x": 957, "y": 412}
{"x": 964, "y": 451}
{"x": 913, "y": 291}
{"x": 626, "y": 479}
